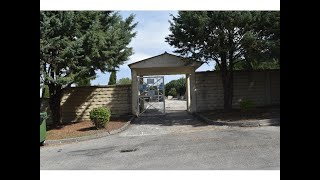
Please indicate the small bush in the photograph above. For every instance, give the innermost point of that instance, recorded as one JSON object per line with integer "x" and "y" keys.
{"x": 100, "y": 117}
{"x": 246, "y": 105}
{"x": 173, "y": 92}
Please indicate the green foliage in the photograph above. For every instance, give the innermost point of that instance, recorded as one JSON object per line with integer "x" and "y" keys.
{"x": 228, "y": 38}
{"x": 100, "y": 117}
{"x": 113, "y": 78}
{"x": 179, "y": 85}
{"x": 43, "y": 116}
{"x": 153, "y": 88}
{"x": 83, "y": 82}
{"x": 45, "y": 91}
{"x": 230, "y": 35}
{"x": 74, "y": 45}
{"x": 172, "y": 92}
{"x": 124, "y": 81}
{"x": 254, "y": 65}
{"x": 246, "y": 105}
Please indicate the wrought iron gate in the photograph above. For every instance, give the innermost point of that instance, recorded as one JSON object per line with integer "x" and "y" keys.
{"x": 151, "y": 98}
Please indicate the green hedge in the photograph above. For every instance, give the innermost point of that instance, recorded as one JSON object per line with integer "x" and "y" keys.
{"x": 246, "y": 105}
{"x": 100, "y": 117}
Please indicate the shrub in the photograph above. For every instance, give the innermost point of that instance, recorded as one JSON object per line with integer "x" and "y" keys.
{"x": 246, "y": 105}
{"x": 100, "y": 117}
{"x": 124, "y": 81}
{"x": 179, "y": 85}
{"x": 173, "y": 92}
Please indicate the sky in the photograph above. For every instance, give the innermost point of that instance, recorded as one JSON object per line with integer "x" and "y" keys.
{"x": 152, "y": 28}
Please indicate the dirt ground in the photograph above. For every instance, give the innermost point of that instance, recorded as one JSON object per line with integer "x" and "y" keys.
{"x": 83, "y": 128}
{"x": 237, "y": 114}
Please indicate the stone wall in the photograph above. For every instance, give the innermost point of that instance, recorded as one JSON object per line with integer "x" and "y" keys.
{"x": 261, "y": 87}
{"x": 77, "y": 102}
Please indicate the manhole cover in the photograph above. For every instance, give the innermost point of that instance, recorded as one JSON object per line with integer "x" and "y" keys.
{"x": 128, "y": 150}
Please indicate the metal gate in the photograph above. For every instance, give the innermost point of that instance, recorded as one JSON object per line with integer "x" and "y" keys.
{"x": 151, "y": 97}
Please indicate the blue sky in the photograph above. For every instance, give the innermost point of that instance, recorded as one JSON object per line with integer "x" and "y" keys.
{"x": 152, "y": 28}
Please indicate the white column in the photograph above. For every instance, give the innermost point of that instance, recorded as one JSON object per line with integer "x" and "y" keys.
{"x": 134, "y": 92}
{"x": 141, "y": 105}
{"x": 193, "y": 92}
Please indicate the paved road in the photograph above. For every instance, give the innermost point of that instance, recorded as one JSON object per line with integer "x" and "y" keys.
{"x": 175, "y": 141}
{"x": 171, "y": 105}
{"x": 176, "y": 105}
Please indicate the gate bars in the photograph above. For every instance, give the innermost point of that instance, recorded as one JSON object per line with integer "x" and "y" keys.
{"x": 153, "y": 90}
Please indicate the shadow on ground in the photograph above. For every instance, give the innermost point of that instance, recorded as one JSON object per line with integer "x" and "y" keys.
{"x": 259, "y": 113}
{"x": 171, "y": 118}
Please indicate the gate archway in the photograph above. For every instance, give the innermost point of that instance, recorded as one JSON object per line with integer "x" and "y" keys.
{"x": 164, "y": 64}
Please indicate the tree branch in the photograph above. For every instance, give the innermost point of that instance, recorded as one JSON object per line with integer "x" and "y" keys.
{"x": 235, "y": 62}
{"x": 240, "y": 53}
{"x": 69, "y": 84}
{"x": 217, "y": 61}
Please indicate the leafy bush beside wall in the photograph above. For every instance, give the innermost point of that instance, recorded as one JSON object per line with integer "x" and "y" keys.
{"x": 246, "y": 105}
{"x": 100, "y": 117}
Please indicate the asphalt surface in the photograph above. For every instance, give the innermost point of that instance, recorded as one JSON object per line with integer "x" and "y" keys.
{"x": 171, "y": 105}
{"x": 175, "y": 141}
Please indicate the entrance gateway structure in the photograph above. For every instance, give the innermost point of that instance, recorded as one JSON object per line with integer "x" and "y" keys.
{"x": 147, "y": 81}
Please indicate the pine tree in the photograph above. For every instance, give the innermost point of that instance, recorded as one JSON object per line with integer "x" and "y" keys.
{"x": 113, "y": 78}
{"x": 83, "y": 82}
{"x": 227, "y": 38}
{"x": 75, "y": 45}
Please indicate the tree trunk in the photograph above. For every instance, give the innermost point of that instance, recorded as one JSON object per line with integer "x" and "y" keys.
{"x": 54, "y": 103}
{"x": 42, "y": 96}
{"x": 227, "y": 81}
{"x": 230, "y": 89}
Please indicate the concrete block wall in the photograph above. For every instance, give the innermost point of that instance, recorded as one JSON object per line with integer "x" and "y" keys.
{"x": 275, "y": 87}
{"x": 261, "y": 87}
{"x": 77, "y": 102}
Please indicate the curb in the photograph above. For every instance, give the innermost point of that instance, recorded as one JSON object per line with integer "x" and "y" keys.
{"x": 252, "y": 123}
{"x": 270, "y": 122}
{"x": 90, "y": 137}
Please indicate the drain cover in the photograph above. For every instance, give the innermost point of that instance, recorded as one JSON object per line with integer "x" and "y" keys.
{"x": 128, "y": 150}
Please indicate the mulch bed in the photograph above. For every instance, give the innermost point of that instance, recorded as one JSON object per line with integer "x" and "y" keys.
{"x": 83, "y": 128}
{"x": 237, "y": 114}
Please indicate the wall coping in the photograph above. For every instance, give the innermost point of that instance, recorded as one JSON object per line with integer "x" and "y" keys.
{"x": 244, "y": 71}
{"x": 101, "y": 86}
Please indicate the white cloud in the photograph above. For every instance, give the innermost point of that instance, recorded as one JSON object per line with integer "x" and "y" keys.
{"x": 151, "y": 35}
{"x": 151, "y": 30}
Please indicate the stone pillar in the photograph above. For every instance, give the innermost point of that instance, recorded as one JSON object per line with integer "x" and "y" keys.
{"x": 134, "y": 90}
{"x": 188, "y": 92}
{"x": 141, "y": 104}
{"x": 193, "y": 92}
